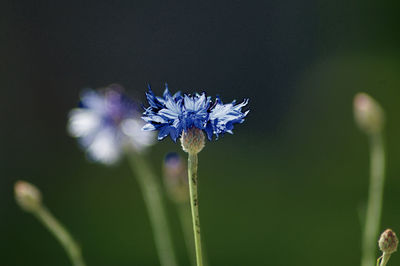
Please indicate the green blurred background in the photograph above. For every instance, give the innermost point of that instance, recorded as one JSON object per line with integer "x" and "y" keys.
{"x": 287, "y": 189}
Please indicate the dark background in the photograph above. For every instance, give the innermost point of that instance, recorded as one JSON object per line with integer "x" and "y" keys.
{"x": 287, "y": 189}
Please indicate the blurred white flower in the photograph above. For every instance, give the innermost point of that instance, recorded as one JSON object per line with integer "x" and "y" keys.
{"x": 106, "y": 123}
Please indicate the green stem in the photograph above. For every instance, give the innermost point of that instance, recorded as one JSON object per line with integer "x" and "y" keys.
{"x": 192, "y": 175}
{"x": 382, "y": 261}
{"x": 62, "y": 235}
{"x": 186, "y": 223}
{"x": 152, "y": 195}
{"x": 375, "y": 198}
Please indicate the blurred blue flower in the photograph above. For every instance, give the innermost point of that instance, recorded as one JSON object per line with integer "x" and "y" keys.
{"x": 175, "y": 178}
{"x": 172, "y": 114}
{"x": 106, "y": 122}
{"x": 173, "y": 164}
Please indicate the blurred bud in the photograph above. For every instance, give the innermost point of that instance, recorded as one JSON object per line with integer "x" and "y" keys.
{"x": 28, "y": 197}
{"x": 388, "y": 241}
{"x": 368, "y": 114}
{"x": 175, "y": 178}
{"x": 193, "y": 140}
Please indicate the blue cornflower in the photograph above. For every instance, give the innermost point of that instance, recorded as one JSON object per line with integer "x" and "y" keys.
{"x": 106, "y": 122}
{"x": 173, "y": 114}
{"x": 191, "y": 117}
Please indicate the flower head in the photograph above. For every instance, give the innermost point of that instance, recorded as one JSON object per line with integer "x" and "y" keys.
{"x": 28, "y": 196}
{"x": 368, "y": 114}
{"x": 175, "y": 178}
{"x": 173, "y": 114}
{"x": 106, "y": 122}
{"x": 388, "y": 241}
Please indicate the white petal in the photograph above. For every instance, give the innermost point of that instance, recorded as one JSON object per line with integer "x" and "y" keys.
{"x": 82, "y": 122}
{"x": 105, "y": 147}
{"x": 139, "y": 138}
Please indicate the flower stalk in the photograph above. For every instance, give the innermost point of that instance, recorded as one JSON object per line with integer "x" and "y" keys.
{"x": 177, "y": 188}
{"x": 62, "y": 235}
{"x": 194, "y": 204}
{"x": 375, "y": 198}
{"x": 369, "y": 116}
{"x": 383, "y": 260}
{"x": 185, "y": 216}
{"x": 29, "y": 199}
{"x": 153, "y": 199}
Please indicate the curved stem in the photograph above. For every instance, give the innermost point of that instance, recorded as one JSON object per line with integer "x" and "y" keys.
{"x": 152, "y": 195}
{"x": 62, "y": 235}
{"x": 192, "y": 175}
{"x": 375, "y": 198}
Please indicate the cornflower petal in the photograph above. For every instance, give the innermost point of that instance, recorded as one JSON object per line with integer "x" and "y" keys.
{"x": 174, "y": 114}
{"x": 170, "y": 114}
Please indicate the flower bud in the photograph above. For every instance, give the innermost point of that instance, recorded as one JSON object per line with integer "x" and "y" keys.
{"x": 388, "y": 242}
{"x": 368, "y": 114}
{"x": 193, "y": 140}
{"x": 175, "y": 178}
{"x": 28, "y": 197}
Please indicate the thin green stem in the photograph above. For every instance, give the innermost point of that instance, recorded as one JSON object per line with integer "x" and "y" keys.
{"x": 375, "y": 198}
{"x": 187, "y": 228}
{"x": 153, "y": 199}
{"x": 194, "y": 203}
{"x": 62, "y": 235}
{"x": 383, "y": 260}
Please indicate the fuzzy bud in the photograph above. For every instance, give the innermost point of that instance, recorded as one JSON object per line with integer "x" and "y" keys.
{"x": 175, "y": 178}
{"x": 368, "y": 114}
{"x": 28, "y": 197}
{"x": 193, "y": 140}
{"x": 388, "y": 242}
